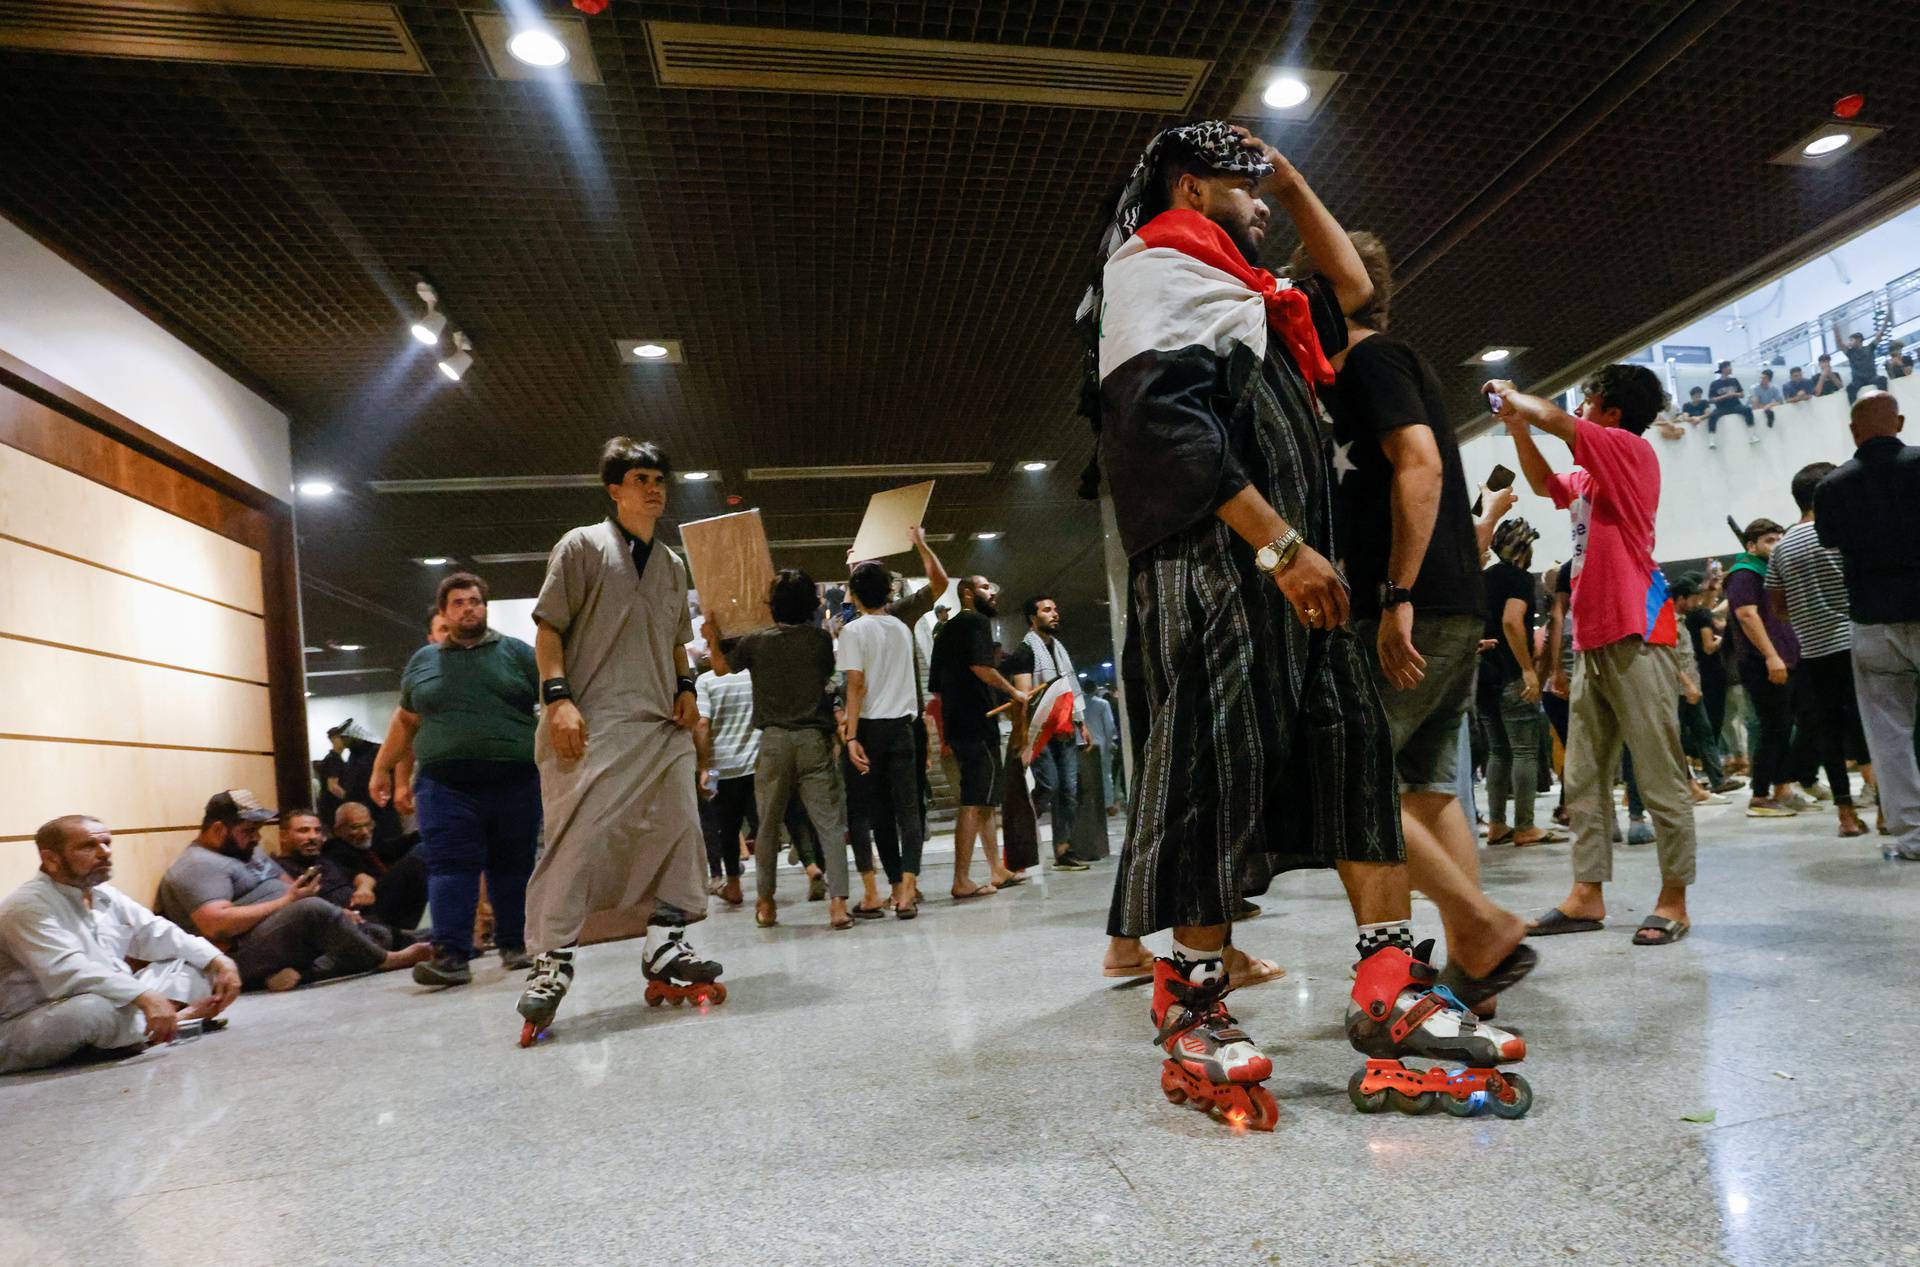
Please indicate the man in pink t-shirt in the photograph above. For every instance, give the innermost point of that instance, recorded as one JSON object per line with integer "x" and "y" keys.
{"x": 1623, "y": 622}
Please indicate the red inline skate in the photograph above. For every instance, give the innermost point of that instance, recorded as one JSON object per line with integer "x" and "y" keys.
{"x": 1211, "y": 1063}
{"x": 676, "y": 975}
{"x": 1397, "y": 1010}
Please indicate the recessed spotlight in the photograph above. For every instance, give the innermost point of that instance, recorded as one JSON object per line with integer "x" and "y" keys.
{"x": 1033, "y": 468}
{"x": 1286, "y": 92}
{"x": 1826, "y": 144}
{"x": 537, "y": 46}
{"x": 314, "y": 488}
{"x": 1493, "y": 356}
{"x": 696, "y": 477}
{"x": 986, "y": 536}
{"x": 434, "y": 561}
{"x": 650, "y": 351}
{"x": 348, "y": 646}
{"x": 462, "y": 359}
{"x": 1832, "y": 142}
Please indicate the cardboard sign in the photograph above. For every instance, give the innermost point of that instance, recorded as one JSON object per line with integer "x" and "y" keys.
{"x": 889, "y": 515}
{"x": 732, "y": 570}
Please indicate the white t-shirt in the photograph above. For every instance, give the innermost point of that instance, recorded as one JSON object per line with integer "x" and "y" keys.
{"x": 881, "y": 648}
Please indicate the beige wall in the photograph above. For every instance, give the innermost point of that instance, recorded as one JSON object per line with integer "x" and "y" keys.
{"x": 133, "y": 657}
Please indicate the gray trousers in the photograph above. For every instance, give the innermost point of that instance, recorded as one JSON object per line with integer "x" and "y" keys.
{"x": 312, "y": 936}
{"x": 1623, "y": 694}
{"x": 1513, "y": 756}
{"x": 1886, "y": 681}
{"x": 799, "y": 762}
{"x": 54, "y": 1031}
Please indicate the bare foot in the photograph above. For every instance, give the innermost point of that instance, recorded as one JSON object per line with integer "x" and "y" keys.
{"x": 1850, "y": 824}
{"x": 837, "y": 916}
{"x": 283, "y": 980}
{"x": 1127, "y": 954}
{"x": 1244, "y": 970}
{"x": 730, "y": 891}
{"x": 419, "y": 952}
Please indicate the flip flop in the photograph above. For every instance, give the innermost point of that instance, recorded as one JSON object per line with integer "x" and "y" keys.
{"x": 1504, "y": 838}
{"x": 979, "y": 890}
{"x": 1142, "y": 969}
{"x": 1665, "y": 931}
{"x": 1474, "y": 991}
{"x": 1551, "y": 836}
{"x": 867, "y": 912}
{"x": 1260, "y": 972}
{"x": 1557, "y": 921}
{"x": 1010, "y": 881}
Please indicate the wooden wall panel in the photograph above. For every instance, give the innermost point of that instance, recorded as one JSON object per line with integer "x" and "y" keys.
{"x": 52, "y": 599}
{"x": 139, "y": 860}
{"x": 46, "y": 506}
{"x": 129, "y": 789}
{"x": 55, "y": 693}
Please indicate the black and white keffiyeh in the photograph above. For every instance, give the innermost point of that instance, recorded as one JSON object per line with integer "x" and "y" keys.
{"x": 1213, "y": 142}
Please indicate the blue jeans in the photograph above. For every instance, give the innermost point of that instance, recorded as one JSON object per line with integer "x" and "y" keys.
{"x": 467, "y": 829}
{"x": 1056, "y": 783}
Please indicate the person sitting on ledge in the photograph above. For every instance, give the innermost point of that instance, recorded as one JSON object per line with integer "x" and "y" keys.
{"x": 65, "y": 938}
{"x": 279, "y": 934}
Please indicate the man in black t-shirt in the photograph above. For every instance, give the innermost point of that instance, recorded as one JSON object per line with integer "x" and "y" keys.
{"x": 1728, "y": 397}
{"x": 1510, "y": 688}
{"x": 963, "y": 672}
{"x": 1412, "y": 556}
{"x": 1827, "y": 381}
{"x": 1696, "y": 407}
{"x": 1859, "y": 352}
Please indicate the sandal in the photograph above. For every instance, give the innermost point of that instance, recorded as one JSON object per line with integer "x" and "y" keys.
{"x": 1504, "y": 837}
{"x": 1143, "y": 968}
{"x": 1664, "y": 931}
{"x": 1551, "y": 836}
{"x": 1556, "y": 921}
{"x": 1474, "y": 991}
{"x": 863, "y": 911}
{"x": 909, "y": 911}
{"x": 978, "y": 890}
{"x": 1259, "y": 972}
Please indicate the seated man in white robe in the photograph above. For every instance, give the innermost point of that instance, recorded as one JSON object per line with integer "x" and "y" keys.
{"x": 65, "y": 938}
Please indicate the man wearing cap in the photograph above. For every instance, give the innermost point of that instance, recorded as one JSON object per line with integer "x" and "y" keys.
{"x": 234, "y": 894}
{"x": 65, "y": 937}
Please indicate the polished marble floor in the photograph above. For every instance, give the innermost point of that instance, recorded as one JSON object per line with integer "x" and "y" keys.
{"x": 966, "y": 1088}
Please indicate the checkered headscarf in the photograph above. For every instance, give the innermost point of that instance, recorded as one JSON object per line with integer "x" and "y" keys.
{"x": 1212, "y": 142}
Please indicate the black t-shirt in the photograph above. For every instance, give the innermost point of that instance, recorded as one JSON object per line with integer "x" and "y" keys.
{"x": 1505, "y": 581}
{"x": 1826, "y": 384}
{"x": 963, "y": 642}
{"x": 1729, "y": 383}
{"x": 1712, "y": 669}
{"x": 1695, "y": 408}
{"x": 1383, "y": 386}
{"x": 1860, "y": 363}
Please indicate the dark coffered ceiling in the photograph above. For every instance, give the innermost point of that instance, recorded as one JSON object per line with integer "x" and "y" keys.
{"x": 879, "y": 279}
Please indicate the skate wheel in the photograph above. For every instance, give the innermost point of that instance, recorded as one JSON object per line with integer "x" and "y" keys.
{"x": 1365, "y": 1101}
{"x": 715, "y": 994}
{"x": 529, "y": 1034}
{"x": 1266, "y": 1114}
{"x": 1412, "y": 1105}
{"x": 1464, "y": 1105}
{"x": 1517, "y": 1099}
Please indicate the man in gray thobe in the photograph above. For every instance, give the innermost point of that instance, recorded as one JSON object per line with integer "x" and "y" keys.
{"x": 615, "y": 750}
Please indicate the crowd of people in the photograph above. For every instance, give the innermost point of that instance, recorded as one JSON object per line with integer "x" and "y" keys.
{"x": 1326, "y": 637}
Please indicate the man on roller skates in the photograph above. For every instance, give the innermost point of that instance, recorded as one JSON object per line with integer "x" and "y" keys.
{"x": 1265, "y": 743}
{"x": 615, "y": 754}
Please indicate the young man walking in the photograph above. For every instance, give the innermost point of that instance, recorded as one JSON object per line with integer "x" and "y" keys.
{"x": 1265, "y": 734}
{"x": 1040, "y": 660}
{"x": 615, "y": 747}
{"x": 1623, "y": 687}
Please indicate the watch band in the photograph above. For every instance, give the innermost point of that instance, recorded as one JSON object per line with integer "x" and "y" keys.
{"x": 555, "y": 688}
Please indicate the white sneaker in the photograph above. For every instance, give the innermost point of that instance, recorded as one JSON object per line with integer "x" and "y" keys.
{"x": 1713, "y": 798}
{"x": 1800, "y": 802}
{"x": 1753, "y": 437}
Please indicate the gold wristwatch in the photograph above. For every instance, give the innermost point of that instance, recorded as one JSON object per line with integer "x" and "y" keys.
{"x": 1276, "y": 555}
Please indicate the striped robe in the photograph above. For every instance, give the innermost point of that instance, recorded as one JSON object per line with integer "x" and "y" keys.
{"x": 1262, "y": 747}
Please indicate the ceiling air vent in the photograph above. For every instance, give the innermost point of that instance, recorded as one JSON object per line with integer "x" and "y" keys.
{"x": 694, "y": 55}
{"x": 313, "y": 34}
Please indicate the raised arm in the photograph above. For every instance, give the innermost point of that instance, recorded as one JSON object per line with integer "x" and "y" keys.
{"x": 1327, "y": 244}
{"x": 937, "y": 577}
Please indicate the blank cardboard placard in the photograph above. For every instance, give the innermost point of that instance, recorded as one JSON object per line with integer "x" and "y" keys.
{"x": 732, "y": 570}
{"x": 889, "y": 515}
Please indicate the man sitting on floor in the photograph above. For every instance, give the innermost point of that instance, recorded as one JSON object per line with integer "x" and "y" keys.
{"x": 349, "y": 876}
{"x": 65, "y": 936}
{"x": 279, "y": 934}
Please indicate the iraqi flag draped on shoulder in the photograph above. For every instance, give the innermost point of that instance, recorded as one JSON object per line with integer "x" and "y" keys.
{"x": 1178, "y": 303}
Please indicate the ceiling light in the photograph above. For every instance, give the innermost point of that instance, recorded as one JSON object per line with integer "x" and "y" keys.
{"x": 650, "y": 351}
{"x": 696, "y": 477}
{"x": 427, "y": 329}
{"x": 462, "y": 359}
{"x": 986, "y": 536}
{"x": 314, "y": 488}
{"x": 348, "y": 646}
{"x": 1831, "y": 142}
{"x": 434, "y": 561}
{"x": 1106, "y": 664}
{"x": 1493, "y": 356}
{"x": 1826, "y": 144}
{"x": 1286, "y": 92}
{"x": 537, "y": 46}
{"x": 1033, "y": 468}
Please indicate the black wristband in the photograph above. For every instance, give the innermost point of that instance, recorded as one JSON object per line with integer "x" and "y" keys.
{"x": 686, "y": 687}
{"x": 555, "y": 688}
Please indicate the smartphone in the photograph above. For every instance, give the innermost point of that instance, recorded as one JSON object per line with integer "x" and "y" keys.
{"x": 1493, "y": 402}
{"x": 1500, "y": 478}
